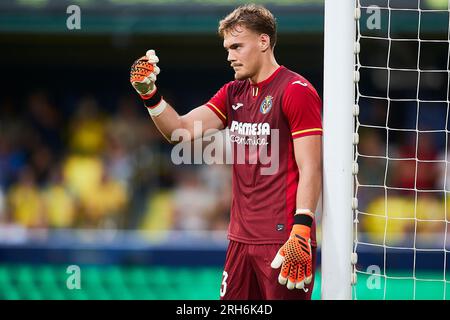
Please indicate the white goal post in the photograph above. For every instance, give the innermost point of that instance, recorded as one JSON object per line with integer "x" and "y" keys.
{"x": 338, "y": 99}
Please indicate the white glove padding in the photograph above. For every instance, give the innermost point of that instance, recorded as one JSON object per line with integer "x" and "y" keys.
{"x": 143, "y": 73}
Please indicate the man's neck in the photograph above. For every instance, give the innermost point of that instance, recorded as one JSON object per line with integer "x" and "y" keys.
{"x": 265, "y": 72}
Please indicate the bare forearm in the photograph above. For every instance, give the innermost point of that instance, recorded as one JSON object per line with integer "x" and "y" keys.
{"x": 309, "y": 188}
{"x": 176, "y": 128}
{"x": 167, "y": 122}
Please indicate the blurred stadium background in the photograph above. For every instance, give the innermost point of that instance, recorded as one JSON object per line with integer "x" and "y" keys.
{"x": 85, "y": 178}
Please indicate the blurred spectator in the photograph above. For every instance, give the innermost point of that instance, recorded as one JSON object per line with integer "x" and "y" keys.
{"x": 391, "y": 221}
{"x": 217, "y": 179}
{"x": 159, "y": 212}
{"x": 41, "y": 160}
{"x": 373, "y": 165}
{"x": 430, "y": 214}
{"x": 59, "y": 203}
{"x": 45, "y": 120}
{"x": 104, "y": 206}
{"x": 24, "y": 201}
{"x": 220, "y": 217}
{"x": 153, "y": 173}
{"x": 419, "y": 172}
{"x": 388, "y": 220}
{"x": 194, "y": 202}
{"x": 117, "y": 161}
{"x": 83, "y": 174}
{"x": 87, "y": 128}
{"x": 12, "y": 159}
{"x": 128, "y": 127}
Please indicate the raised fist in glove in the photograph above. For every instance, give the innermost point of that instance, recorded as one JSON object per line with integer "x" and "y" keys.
{"x": 143, "y": 73}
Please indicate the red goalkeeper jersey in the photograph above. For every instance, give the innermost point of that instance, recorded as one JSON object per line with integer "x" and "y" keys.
{"x": 263, "y": 120}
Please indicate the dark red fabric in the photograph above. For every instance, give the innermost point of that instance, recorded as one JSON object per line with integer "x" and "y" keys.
{"x": 249, "y": 275}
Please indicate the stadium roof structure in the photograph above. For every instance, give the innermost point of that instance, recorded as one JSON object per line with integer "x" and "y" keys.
{"x": 170, "y": 16}
{"x": 148, "y": 17}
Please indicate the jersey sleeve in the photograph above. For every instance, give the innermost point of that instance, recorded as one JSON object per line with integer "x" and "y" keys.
{"x": 218, "y": 103}
{"x": 302, "y": 107}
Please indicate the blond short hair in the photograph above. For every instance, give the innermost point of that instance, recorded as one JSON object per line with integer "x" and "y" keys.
{"x": 254, "y": 17}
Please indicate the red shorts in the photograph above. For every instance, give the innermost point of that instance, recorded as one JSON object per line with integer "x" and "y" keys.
{"x": 248, "y": 275}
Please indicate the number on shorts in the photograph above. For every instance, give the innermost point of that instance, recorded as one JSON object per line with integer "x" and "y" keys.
{"x": 223, "y": 287}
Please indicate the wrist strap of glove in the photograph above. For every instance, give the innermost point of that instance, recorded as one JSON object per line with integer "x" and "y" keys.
{"x": 151, "y": 99}
{"x": 154, "y": 103}
{"x": 304, "y": 217}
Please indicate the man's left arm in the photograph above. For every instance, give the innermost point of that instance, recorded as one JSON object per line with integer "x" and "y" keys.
{"x": 308, "y": 155}
{"x": 302, "y": 108}
{"x": 295, "y": 256}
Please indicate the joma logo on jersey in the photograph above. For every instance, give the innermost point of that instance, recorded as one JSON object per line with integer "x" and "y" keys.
{"x": 250, "y": 129}
{"x": 266, "y": 105}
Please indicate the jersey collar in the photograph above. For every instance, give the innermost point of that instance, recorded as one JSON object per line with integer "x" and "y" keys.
{"x": 268, "y": 80}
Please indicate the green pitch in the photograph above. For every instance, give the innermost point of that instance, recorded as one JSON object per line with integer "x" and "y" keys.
{"x": 36, "y": 282}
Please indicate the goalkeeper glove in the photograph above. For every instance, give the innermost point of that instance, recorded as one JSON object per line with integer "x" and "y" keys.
{"x": 143, "y": 74}
{"x": 143, "y": 77}
{"x": 295, "y": 256}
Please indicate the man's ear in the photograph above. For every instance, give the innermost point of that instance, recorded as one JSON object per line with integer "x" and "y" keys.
{"x": 264, "y": 42}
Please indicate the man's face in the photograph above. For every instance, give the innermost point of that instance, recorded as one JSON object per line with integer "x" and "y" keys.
{"x": 244, "y": 51}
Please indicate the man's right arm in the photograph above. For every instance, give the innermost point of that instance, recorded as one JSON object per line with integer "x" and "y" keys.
{"x": 167, "y": 120}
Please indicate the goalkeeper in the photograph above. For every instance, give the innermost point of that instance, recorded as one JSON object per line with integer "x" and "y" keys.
{"x": 272, "y": 248}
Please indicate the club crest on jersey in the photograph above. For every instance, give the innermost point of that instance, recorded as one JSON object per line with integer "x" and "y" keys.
{"x": 266, "y": 105}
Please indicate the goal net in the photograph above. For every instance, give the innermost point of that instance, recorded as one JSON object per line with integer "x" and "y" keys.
{"x": 401, "y": 204}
